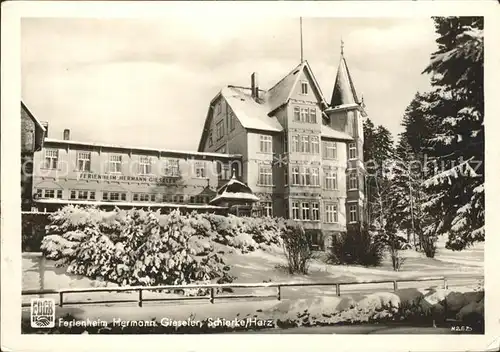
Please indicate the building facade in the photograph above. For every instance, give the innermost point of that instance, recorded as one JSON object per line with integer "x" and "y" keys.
{"x": 32, "y": 137}
{"x": 301, "y": 155}
{"x": 73, "y": 172}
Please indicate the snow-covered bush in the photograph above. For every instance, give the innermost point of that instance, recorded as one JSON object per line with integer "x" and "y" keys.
{"x": 297, "y": 247}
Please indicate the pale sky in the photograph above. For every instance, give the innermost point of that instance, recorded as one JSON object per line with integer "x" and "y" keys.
{"x": 148, "y": 82}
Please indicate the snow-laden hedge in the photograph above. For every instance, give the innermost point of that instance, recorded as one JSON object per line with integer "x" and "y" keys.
{"x": 137, "y": 247}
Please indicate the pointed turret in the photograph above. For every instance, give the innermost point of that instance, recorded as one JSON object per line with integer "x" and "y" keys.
{"x": 344, "y": 92}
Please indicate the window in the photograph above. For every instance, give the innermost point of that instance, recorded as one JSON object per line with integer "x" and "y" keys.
{"x": 83, "y": 161}
{"x": 144, "y": 165}
{"x": 353, "y": 180}
{"x": 295, "y": 211}
{"x": 305, "y": 211}
{"x": 353, "y": 213}
{"x": 304, "y": 176}
{"x": 220, "y": 129}
{"x": 331, "y": 212}
{"x": 314, "y": 176}
{"x": 49, "y": 193}
{"x": 331, "y": 179}
{"x": 315, "y": 145}
{"x": 330, "y": 150}
{"x": 92, "y": 195}
{"x": 285, "y": 143}
{"x": 295, "y": 175}
{"x": 352, "y": 151}
{"x": 304, "y": 87}
{"x": 267, "y": 207}
{"x": 285, "y": 175}
{"x": 115, "y": 164}
{"x": 265, "y": 175}
{"x": 210, "y": 138}
{"x": 144, "y": 197}
{"x": 114, "y": 196}
{"x": 200, "y": 169}
{"x": 296, "y": 113}
{"x": 165, "y": 198}
{"x": 305, "y": 144}
{"x": 304, "y": 115}
{"x": 295, "y": 144}
{"x": 72, "y": 195}
{"x": 83, "y": 195}
{"x": 51, "y": 157}
{"x": 266, "y": 144}
{"x": 172, "y": 167}
{"x": 312, "y": 114}
{"x": 315, "y": 211}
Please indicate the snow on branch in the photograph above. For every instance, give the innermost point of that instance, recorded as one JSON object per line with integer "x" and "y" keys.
{"x": 463, "y": 169}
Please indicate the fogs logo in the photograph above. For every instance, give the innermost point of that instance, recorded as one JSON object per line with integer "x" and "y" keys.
{"x": 42, "y": 313}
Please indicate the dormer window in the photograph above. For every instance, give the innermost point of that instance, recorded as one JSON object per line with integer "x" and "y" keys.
{"x": 304, "y": 88}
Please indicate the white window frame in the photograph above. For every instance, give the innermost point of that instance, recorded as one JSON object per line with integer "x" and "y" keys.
{"x": 115, "y": 160}
{"x": 353, "y": 152}
{"x": 199, "y": 169}
{"x": 314, "y": 176}
{"x": 304, "y": 114}
{"x": 265, "y": 175}
{"x": 314, "y": 144}
{"x": 305, "y": 210}
{"x": 295, "y": 176}
{"x": 51, "y": 159}
{"x": 296, "y": 113}
{"x": 266, "y": 144}
{"x": 303, "y": 176}
{"x": 145, "y": 165}
{"x": 331, "y": 180}
{"x": 296, "y": 143}
{"x": 285, "y": 175}
{"x": 315, "y": 214}
{"x": 331, "y": 213}
{"x": 172, "y": 167}
{"x": 268, "y": 209}
{"x": 353, "y": 213}
{"x": 353, "y": 178}
{"x": 330, "y": 150}
{"x": 303, "y": 85}
{"x": 83, "y": 159}
{"x": 295, "y": 210}
{"x": 312, "y": 115}
{"x": 304, "y": 144}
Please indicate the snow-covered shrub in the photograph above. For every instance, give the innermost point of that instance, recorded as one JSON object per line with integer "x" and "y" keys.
{"x": 357, "y": 246}
{"x": 297, "y": 247}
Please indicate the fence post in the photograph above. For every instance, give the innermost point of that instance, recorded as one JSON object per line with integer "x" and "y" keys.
{"x": 140, "y": 297}
{"x": 279, "y": 292}
{"x": 337, "y": 289}
{"x": 395, "y": 285}
{"x": 212, "y": 295}
{"x": 445, "y": 283}
{"x": 60, "y": 299}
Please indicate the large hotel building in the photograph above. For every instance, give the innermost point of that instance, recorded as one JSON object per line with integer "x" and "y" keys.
{"x": 300, "y": 154}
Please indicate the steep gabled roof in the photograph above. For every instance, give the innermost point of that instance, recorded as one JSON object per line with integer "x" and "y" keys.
{"x": 281, "y": 92}
{"x": 258, "y": 114}
{"x": 344, "y": 92}
{"x": 38, "y": 124}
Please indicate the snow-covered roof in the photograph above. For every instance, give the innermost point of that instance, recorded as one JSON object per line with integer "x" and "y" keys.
{"x": 251, "y": 114}
{"x": 127, "y": 204}
{"x": 33, "y": 117}
{"x": 328, "y": 132}
{"x": 115, "y": 146}
{"x": 234, "y": 190}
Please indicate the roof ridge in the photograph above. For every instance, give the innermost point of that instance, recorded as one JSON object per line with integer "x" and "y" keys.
{"x": 285, "y": 76}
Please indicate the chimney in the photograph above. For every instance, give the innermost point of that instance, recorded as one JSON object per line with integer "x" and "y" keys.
{"x": 66, "y": 134}
{"x": 255, "y": 86}
{"x": 45, "y": 124}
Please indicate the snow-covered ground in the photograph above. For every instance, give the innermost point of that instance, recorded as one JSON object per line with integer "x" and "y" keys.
{"x": 463, "y": 268}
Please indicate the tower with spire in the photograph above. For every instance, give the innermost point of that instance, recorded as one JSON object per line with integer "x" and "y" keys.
{"x": 345, "y": 114}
